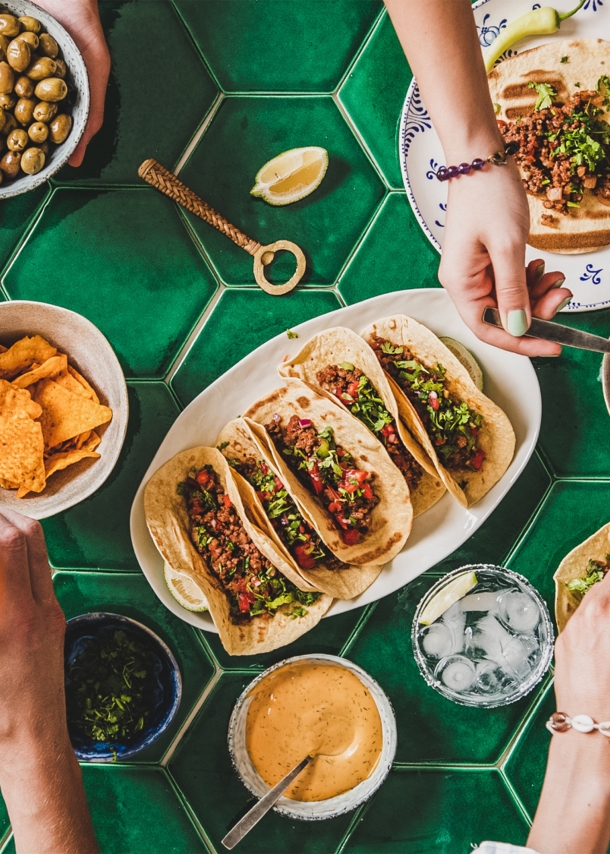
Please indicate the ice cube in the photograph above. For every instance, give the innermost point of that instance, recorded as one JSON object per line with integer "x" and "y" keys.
{"x": 455, "y": 619}
{"x": 489, "y": 677}
{"x": 438, "y": 641}
{"x": 458, "y": 673}
{"x": 519, "y": 611}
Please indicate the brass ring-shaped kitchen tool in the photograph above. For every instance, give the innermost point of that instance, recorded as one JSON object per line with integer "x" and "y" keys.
{"x": 167, "y": 183}
{"x": 264, "y": 256}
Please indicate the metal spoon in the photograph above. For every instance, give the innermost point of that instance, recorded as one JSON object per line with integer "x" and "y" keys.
{"x": 245, "y": 824}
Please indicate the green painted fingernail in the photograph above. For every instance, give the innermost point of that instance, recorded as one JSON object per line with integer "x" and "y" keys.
{"x": 559, "y": 283}
{"x": 540, "y": 270}
{"x": 563, "y": 304}
{"x": 517, "y": 322}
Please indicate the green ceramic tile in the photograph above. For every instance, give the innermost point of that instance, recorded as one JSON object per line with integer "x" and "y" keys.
{"x": 574, "y": 430}
{"x": 430, "y": 727}
{"x": 240, "y": 322}
{"x": 123, "y": 259}
{"x": 328, "y": 637}
{"x": 394, "y": 255}
{"x": 440, "y": 812}
{"x": 571, "y": 513}
{"x": 244, "y": 134}
{"x": 374, "y": 93}
{"x": 136, "y": 810}
{"x": 95, "y": 533}
{"x": 203, "y": 771}
{"x": 158, "y": 94}
{"x": 131, "y": 595}
{"x": 16, "y": 214}
{"x": 279, "y": 45}
{"x": 527, "y": 764}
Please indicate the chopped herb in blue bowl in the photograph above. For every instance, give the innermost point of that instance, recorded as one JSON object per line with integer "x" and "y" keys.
{"x": 123, "y": 686}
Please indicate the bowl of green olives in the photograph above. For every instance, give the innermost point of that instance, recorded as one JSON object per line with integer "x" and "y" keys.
{"x": 44, "y": 96}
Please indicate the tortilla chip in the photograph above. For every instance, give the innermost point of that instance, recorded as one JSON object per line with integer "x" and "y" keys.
{"x": 92, "y": 442}
{"x": 90, "y": 392}
{"x": 16, "y": 398}
{"x": 65, "y": 414}
{"x": 3, "y": 349}
{"x": 21, "y": 449}
{"x": 57, "y": 462}
{"x": 80, "y": 440}
{"x": 51, "y": 368}
{"x": 23, "y": 354}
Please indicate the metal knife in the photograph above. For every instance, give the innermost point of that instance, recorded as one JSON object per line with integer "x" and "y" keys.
{"x": 551, "y": 331}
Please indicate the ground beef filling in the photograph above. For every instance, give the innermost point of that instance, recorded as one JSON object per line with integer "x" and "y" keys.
{"x": 253, "y": 586}
{"x": 452, "y": 427}
{"x": 355, "y": 390}
{"x": 564, "y": 150}
{"x": 329, "y": 472}
{"x": 298, "y": 536}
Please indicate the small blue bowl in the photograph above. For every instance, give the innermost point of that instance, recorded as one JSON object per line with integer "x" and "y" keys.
{"x": 165, "y": 690}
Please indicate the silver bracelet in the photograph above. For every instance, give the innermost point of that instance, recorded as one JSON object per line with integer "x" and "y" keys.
{"x": 560, "y": 722}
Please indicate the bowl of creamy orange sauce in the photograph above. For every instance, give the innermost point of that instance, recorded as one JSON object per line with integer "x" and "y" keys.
{"x": 318, "y": 705}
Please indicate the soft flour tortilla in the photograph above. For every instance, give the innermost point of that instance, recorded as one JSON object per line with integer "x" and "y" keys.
{"x": 337, "y": 345}
{"x": 496, "y": 437}
{"x": 574, "y": 565}
{"x": 168, "y": 523}
{"x": 344, "y": 583}
{"x": 585, "y": 228}
{"x": 391, "y": 518}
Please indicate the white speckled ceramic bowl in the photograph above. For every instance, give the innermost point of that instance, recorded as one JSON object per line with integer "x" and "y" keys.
{"x": 77, "y": 80}
{"x": 332, "y": 807}
{"x": 91, "y": 354}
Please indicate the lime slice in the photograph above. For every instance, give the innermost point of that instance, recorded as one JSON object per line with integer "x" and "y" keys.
{"x": 185, "y": 590}
{"x": 467, "y": 359}
{"x": 447, "y": 596}
{"x": 291, "y": 175}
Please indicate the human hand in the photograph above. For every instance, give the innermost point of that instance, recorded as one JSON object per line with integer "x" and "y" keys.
{"x": 483, "y": 260}
{"x": 82, "y": 20}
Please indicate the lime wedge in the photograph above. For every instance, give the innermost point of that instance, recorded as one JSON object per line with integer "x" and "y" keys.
{"x": 291, "y": 175}
{"x": 185, "y": 589}
{"x": 467, "y": 359}
{"x": 447, "y": 596}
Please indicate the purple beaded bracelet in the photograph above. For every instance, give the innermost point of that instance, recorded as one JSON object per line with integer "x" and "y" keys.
{"x": 498, "y": 158}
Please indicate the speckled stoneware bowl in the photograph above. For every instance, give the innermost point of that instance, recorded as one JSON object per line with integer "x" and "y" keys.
{"x": 78, "y": 82}
{"x": 165, "y": 693}
{"x": 91, "y": 354}
{"x": 332, "y": 807}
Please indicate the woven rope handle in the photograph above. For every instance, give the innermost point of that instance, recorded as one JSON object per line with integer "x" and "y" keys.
{"x": 162, "y": 179}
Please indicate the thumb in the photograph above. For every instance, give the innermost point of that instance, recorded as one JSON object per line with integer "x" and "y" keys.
{"x": 511, "y": 289}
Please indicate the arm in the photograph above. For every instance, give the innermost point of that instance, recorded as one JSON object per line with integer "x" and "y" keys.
{"x": 573, "y": 814}
{"x": 39, "y": 776}
{"x": 487, "y": 224}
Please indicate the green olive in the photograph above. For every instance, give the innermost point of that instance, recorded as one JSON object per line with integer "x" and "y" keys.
{"x": 51, "y": 89}
{"x": 61, "y": 68}
{"x": 29, "y": 24}
{"x": 24, "y": 87}
{"x": 45, "y": 111}
{"x": 48, "y": 45}
{"x": 42, "y": 68}
{"x": 10, "y": 163}
{"x": 24, "y": 110}
{"x": 29, "y": 38}
{"x": 7, "y": 102}
{"x": 10, "y": 123}
{"x": 32, "y": 160}
{"x": 18, "y": 54}
{"x": 60, "y": 127}
{"x": 37, "y": 132}
{"x": 17, "y": 140}
{"x": 9, "y": 26}
{"x": 7, "y": 78}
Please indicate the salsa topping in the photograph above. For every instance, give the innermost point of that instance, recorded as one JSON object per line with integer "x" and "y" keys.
{"x": 596, "y": 571}
{"x": 564, "y": 149}
{"x": 452, "y": 426}
{"x": 253, "y": 586}
{"x": 355, "y": 390}
{"x": 298, "y": 536}
{"x": 329, "y": 471}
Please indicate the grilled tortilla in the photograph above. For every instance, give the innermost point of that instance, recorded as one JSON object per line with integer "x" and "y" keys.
{"x": 575, "y": 565}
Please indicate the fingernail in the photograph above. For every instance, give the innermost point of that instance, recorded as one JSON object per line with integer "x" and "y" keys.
{"x": 559, "y": 283}
{"x": 562, "y": 305}
{"x": 540, "y": 271}
{"x": 516, "y": 322}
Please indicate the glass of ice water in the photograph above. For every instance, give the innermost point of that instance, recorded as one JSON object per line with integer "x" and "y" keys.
{"x": 491, "y": 645}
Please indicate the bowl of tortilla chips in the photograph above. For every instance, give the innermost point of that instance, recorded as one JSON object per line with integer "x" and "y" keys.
{"x": 63, "y": 408}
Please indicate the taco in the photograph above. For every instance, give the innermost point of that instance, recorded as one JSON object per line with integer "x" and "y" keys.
{"x": 266, "y": 494}
{"x": 341, "y": 478}
{"x": 198, "y": 522}
{"x": 583, "y": 567}
{"x": 338, "y": 364}
{"x": 469, "y": 438}
{"x": 552, "y": 102}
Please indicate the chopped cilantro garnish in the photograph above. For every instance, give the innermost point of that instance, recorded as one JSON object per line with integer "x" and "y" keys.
{"x": 546, "y": 94}
{"x": 291, "y": 334}
{"x": 222, "y": 446}
{"x": 564, "y": 58}
{"x": 595, "y": 573}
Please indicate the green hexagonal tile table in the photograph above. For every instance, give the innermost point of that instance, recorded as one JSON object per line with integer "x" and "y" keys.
{"x": 213, "y": 89}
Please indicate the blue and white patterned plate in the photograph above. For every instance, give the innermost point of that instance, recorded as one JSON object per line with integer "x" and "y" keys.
{"x": 420, "y": 151}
